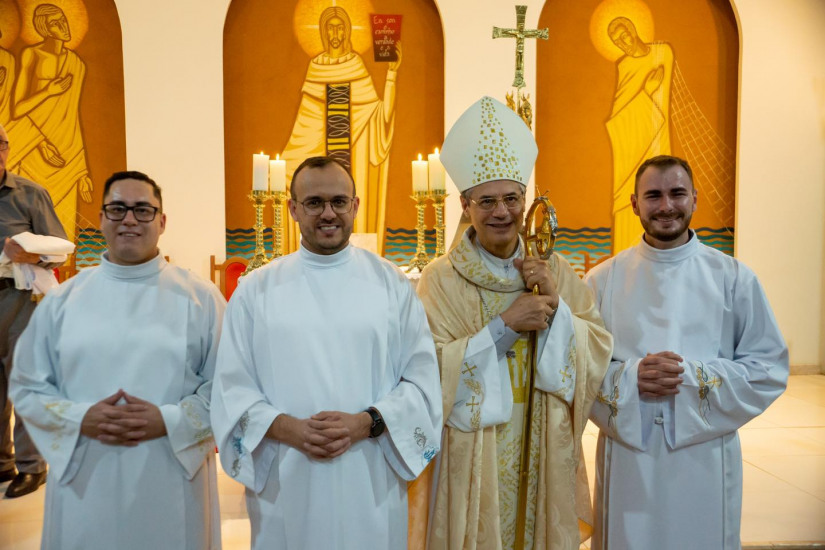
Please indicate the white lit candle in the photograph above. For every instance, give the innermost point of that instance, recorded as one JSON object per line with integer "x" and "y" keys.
{"x": 277, "y": 175}
{"x": 260, "y": 171}
{"x": 419, "y": 175}
{"x": 437, "y": 174}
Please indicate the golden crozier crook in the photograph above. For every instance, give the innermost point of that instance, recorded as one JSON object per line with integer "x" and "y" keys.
{"x": 538, "y": 242}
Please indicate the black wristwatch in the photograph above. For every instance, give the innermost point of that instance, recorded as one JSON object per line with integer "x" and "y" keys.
{"x": 378, "y": 426}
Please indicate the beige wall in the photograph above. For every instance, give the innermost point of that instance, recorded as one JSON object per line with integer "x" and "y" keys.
{"x": 781, "y": 188}
{"x": 174, "y": 131}
{"x": 173, "y": 80}
{"x": 491, "y": 65}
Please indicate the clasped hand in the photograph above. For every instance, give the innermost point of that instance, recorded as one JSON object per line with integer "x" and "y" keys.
{"x": 326, "y": 434}
{"x": 659, "y": 374}
{"x": 127, "y": 424}
{"x": 532, "y": 312}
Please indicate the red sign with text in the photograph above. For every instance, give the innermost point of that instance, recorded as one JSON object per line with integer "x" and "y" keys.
{"x": 386, "y": 31}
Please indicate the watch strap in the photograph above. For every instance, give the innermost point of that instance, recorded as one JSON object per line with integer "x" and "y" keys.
{"x": 377, "y": 427}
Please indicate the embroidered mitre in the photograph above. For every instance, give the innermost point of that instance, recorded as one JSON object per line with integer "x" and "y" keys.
{"x": 488, "y": 142}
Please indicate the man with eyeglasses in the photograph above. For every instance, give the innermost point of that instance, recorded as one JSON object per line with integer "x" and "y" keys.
{"x": 24, "y": 207}
{"x": 326, "y": 398}
{"x": 113, "y": 376}
{"x": 481, "y": 308}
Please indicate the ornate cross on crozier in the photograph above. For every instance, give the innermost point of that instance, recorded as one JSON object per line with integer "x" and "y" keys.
{"x": 520, "y": 33}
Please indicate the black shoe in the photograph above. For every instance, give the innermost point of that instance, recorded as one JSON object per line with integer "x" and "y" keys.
{"x": 7, "y": 475}
{"x": 24, "y": 484}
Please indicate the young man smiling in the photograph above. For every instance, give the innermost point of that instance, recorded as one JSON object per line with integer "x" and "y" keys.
{"x": 697, "y": 354}
{"x": 113, "y": 376}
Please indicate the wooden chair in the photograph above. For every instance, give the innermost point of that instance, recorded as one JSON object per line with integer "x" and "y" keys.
{"x": 226, "y": 275}
{"x": 67, "y": 270}
{"x": 589, "y": 264}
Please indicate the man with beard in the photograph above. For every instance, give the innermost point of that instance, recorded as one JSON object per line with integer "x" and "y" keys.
{"x": 326, "y": 399}
{"x": 697, "y": 354}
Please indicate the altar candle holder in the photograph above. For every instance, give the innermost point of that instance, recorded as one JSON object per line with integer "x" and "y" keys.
{"x": 278, "y": 199}
{"x": 258, "y": 199}
{"x": 438, "y": 196}
{"x": 420, "y": 259}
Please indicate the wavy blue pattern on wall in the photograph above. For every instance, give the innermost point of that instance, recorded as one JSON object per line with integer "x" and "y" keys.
{"x": 241, "y": 242}
{"x": 578, "y": 245}
{"x": 90, "y": 245}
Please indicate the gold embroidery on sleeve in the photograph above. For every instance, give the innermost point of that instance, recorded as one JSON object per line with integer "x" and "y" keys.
{"x": 478, "y": 391}
{"x": 203, "y": 435}
{"x": 706, "y": 385}
{"x": 57, "y": 409}
{"x": 611, "y": 401}
{"x": 568, "y": 371}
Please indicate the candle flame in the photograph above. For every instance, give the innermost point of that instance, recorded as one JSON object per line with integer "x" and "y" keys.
{"x": 262, "y": 152}
{"x": 436, "y": 150}
{"x": 419, "y": 156}
{"x": 278, "y": 157}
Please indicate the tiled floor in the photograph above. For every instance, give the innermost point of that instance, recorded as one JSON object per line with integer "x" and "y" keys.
{"x": 784, "y": 466}
{"x": 784, "y": 471}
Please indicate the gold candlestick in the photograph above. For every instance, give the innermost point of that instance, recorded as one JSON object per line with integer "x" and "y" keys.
{"x": 420, "y": 259}
{"x": 438, "y": 198}
{"x": 278, "y": 198}
{"x": 258, "y": 199}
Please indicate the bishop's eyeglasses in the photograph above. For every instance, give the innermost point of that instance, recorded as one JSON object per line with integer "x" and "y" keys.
{"x": 513, "y": 201}
{"x": 117, "y": 212}
{"x": 314, "y": 206}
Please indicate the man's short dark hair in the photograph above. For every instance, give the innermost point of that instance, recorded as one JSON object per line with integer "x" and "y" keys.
{"x": 661, "y": 162}
{"x": 133, "y": 175}
{"x": 317, "y": 162}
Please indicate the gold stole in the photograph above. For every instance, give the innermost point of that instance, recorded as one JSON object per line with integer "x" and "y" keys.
{"x": 466, "y": 506}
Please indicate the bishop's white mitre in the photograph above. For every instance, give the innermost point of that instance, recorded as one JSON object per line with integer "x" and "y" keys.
{"x": 488, "y": 142}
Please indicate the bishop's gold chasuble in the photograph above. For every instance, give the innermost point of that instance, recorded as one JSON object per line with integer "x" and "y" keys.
{"x": 477, "y": 487}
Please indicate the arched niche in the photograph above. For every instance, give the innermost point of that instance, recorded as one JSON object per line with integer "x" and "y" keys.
{"x": 84, "y": 126}
{"x": 268, "y": 47}
{"x": 597, "y": 121}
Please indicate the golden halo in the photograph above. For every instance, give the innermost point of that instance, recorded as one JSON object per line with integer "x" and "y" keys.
{"x": 9, "y": 23}
{"x": 76, "y": 15}
{"x": 308, "y": 12}
{"x": 635, "y": 10}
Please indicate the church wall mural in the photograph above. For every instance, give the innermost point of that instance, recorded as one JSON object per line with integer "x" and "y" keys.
{"x": 620, "y": 81}
{"x": 61, "y": 102}
{"x": 305, "y": 78}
